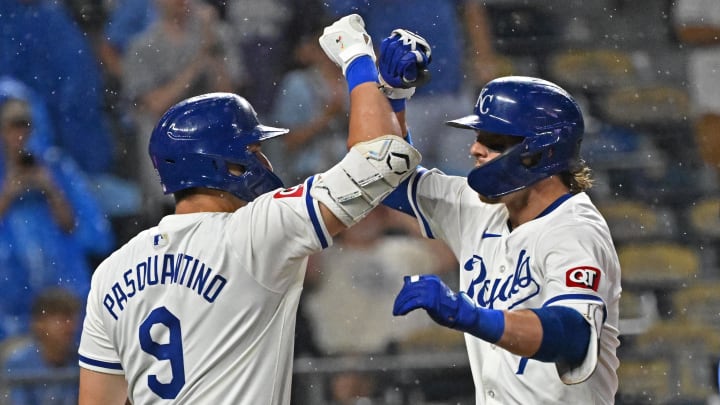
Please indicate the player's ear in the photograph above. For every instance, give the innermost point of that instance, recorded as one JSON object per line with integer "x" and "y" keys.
{"x": 235, "y": 169}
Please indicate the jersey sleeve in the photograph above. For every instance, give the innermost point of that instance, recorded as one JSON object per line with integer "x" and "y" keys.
{"x": 96, "y": 351}
{"x": 285, "y": 227}
{"x": 580, "y": 273}
{"x": 595, "y": 315}
{"x": 444, "y": 206}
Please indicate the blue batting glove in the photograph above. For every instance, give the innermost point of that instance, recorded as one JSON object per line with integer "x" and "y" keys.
{"x": 404, "y": 57}
{"x": 431, "y": 294}
{"x": 447, "y": 308}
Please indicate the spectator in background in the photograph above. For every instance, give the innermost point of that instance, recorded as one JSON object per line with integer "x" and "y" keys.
{"x": 312, "y": 101}
{"x": 267, "y": 32}
{"x": 186, "y": 51}
{"x": 42, "y": 130}
{"x": 125, "y": 20}
{"x": 697, "y": 24}
{"x": 41, "y": 46}
{"x": 463, "y": 59}
{"x": 50, "y": 348}
{"x": 351, "y": 310}
{"x": 50, "y": 221}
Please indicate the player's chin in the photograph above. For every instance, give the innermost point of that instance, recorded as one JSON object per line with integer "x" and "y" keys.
{"x": 488, "y": 200}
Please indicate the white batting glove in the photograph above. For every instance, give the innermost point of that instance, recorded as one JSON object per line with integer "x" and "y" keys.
{"x": 345, "y": 40}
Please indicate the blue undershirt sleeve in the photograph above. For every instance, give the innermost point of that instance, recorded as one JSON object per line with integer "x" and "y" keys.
{"x": 566, "y": 335}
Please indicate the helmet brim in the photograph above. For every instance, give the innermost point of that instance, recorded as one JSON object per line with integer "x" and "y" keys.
{"x": 471, "y": 121}
{"x": 267, "y": 132}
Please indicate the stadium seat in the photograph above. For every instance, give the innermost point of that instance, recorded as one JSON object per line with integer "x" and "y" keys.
{"x": 692, "y": 350}
{"x": 644, "y": 381}
{"x": 592, "y": 69}
{"x": 633, "y": 220}
{"x": 657, "y": 264}
{"x": 704, "y": 218}
{"x": 699, "y": 302}
{"x": 654, "y": 106}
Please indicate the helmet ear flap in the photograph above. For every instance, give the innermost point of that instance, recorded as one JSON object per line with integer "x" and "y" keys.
{"x": 541, "y": 149}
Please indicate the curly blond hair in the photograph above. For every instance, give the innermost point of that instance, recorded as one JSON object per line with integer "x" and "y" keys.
{"x": 578, "y": 179}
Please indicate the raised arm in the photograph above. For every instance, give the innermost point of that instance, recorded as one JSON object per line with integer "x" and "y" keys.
{"x": 404, "y": 57}
{"x": 348, "y": 45}
{"x": 370, "y": 114}
{"x": 378, "y": 159}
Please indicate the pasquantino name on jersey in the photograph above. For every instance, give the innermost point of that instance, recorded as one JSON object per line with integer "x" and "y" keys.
{"x": 180, "y": 269}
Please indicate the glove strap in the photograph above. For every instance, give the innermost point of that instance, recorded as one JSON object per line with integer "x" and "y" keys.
{"x": 394, "y": 93}
{"x": 486, "y": 324}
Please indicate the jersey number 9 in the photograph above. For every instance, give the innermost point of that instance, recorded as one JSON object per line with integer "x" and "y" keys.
{"x": 171, "y": 351}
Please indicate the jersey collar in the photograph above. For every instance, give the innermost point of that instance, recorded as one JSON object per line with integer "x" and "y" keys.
{"x": 550, "y": 208}
{"x": 554, "y": 205}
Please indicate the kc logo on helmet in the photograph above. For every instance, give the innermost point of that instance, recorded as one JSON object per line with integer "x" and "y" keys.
{"x": 482, "y": 99}
{"x": 583, "y": 277}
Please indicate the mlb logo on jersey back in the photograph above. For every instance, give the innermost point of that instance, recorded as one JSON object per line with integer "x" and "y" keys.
{"x": 159, "y": 240}
{"x": 583, "y": 277}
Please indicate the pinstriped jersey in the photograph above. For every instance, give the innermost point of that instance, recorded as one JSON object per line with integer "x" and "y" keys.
{"x": 564, "y": 257}
{"x": 201, "y": 308}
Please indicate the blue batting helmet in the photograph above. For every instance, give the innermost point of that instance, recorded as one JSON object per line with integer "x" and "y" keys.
{"x": 196, "y": 138}
{"x": 543, "y": 114}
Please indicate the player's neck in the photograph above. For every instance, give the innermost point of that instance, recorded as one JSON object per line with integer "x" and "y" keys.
{"x": 527, "y": 204}
{"x": 208, "y": 200}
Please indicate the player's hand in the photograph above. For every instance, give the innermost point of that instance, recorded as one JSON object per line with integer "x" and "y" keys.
{"x": 431, "y": 294}
{"x": 345, "y": 40}
{"x": 404, "y": 57}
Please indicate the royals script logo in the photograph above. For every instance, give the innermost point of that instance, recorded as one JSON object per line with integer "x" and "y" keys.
{"x": 511, "y": 290}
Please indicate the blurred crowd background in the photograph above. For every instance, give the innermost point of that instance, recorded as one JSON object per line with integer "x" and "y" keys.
{"x": 82, "y": 83}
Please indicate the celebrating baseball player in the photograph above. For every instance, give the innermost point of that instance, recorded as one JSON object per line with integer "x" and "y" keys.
{"x": 539, "y": 275}
{"x": 201, "y": 308}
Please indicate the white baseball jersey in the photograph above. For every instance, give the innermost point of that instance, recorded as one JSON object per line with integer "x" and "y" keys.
{"x": 201, "y": 309}
{"x": 564, "y": 257}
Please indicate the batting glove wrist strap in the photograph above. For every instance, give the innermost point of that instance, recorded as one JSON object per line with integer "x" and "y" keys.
{"x": 369, "y": 172}
{"x": 486, "y": 324}
{"x": 394, "y": 93}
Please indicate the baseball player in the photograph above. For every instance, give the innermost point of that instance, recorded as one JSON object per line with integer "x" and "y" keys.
{"x": 201, "y": 308}
{"x": 539, "y": 275}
